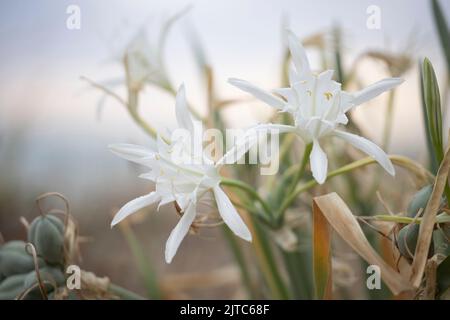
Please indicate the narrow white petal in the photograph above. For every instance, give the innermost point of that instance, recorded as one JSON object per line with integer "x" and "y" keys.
{"x": 131, "y": 152}
{"x": 238, "y": 150}
{"x": 230, "y": 216}
{"x": 258, "y": 93}
{"x": 134, "y": 206}
{"x": 326, "y": 76}
{"x": 319, "y": 163}
{"x": 182, "y": 112}
{"x": 278, "y": 128}
{"x": 179, "y": 232}
{"x": 374, "y": 90}
{"x": 368, "y": 147}
{"x": 298, "y": 54}
{"x": 293, "y": 76}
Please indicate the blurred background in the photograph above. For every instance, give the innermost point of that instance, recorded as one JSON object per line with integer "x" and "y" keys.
{"x": 53, "y": 137}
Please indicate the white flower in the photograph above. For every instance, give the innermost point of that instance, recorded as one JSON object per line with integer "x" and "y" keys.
{"x": 318, "y": 105}
{"x": 144, "y": 64}
{"x": 184, "y": 182}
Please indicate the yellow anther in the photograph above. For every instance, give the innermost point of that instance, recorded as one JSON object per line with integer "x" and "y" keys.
{"x": 328, "y": 95}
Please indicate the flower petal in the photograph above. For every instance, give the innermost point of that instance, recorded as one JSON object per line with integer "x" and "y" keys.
{"x": 131, "y": 152}
{"x": 374, "y": 90}
{"x": 134, "y": 206}
{"x": 242, "y": 145}
{"x": 230, "y": 216}
{"x": 298, "y": 54}
{"x": 179, "y": 232}
{"x": 279, "y": 128}
{"x": 182, "y": 112}
{"x": 368, "y": 147}
{"x": 258, "y": 93}
{"x": 319, "y": 163}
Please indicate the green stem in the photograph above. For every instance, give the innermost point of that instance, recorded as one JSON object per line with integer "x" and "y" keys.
{"x": 296, "y": 266}
{"x": 249, "y": 190}
{"x": 270, "y": 269}
{"x": 301, "y": 169}
{"x": 240, "y": 259}
{"x": 401, "y": 161}
{"x": 124, "y": 293}
{"x": 388, "y": 121}
{"x": 144, "y": 266}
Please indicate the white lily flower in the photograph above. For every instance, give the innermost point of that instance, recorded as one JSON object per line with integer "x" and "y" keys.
{"x": 144, "y": 64}
{"x": 319, "y": 106}
{"x": 184, "y": 182}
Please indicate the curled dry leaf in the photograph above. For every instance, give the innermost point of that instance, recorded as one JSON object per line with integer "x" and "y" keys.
{"x": 331, "y": 209}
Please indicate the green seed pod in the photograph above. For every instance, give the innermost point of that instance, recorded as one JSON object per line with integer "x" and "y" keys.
{"x": 419, "y": 201}
{"x": 407, "y": 241}
{"x": 50, "y": 277}
{"x": 11, "y": 287}
{"x": 47, "y": 234}
{"x": 14, "y": 259}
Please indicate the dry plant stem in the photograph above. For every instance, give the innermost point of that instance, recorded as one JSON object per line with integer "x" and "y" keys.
{"x": 49, "y": 194}
{"x": 32, "y": 250}
{"x": 429, "y": 220}
{"x": 397, "y": 160}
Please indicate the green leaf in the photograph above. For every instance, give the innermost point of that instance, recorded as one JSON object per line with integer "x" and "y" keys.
{"x": 432, "y": 104}
{"x": 443, "y": 275}
{"x": 443, "y": 31}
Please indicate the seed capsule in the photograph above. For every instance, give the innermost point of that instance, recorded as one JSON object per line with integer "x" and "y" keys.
{"x": 51, "y": 277}
{"x": 11, "y": 287}
{"x": 47, "y": 234}
{"x": 14, "y": 259}
{"x": 419, "y": 201}
{"x": 407, "y": 241}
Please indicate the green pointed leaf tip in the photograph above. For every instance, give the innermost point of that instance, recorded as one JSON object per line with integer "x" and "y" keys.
{"x": 443, "y": 31}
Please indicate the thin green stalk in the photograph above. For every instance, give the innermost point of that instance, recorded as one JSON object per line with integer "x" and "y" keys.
{"x": 398, "y": 160}
{"x": 387, "y": 132}
{"x": 145, "y": 268}
{"x": 296, "y": 266}
{"x": 301, "y": 169}
{"x": 124, "y": 293}
{"x": 270, "y": 269}
{"x": 240, "y": 259}
{"x": 249, "y": 190}
{"x": 388, "y": 121}
{"x": 264, "y": 253}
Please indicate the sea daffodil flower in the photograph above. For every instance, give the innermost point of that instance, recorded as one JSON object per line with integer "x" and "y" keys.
{"x": 319, "y": 106}
{"x": 184, "y": 182}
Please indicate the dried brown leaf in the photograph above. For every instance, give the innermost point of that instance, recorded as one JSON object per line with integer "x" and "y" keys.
{"x": 345, "y": 224}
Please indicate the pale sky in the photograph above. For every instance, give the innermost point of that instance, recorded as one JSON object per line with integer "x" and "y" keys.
{"x": 41, "y": 62}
